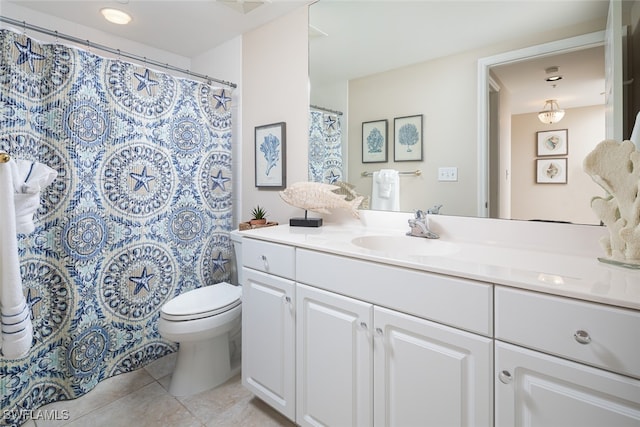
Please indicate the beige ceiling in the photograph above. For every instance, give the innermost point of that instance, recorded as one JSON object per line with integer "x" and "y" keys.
{"x": 582, "y": 84}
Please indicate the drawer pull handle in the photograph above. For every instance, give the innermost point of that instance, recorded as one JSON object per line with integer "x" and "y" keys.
{"x": 582, "y": 337}
{"x": 505, "y": 377}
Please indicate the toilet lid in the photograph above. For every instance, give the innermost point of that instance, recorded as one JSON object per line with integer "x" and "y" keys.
{"x": 202, "y": 302}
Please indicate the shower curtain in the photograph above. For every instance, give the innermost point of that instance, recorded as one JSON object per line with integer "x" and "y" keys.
{"x": 325, "y": 148}
{"x": 140, "y": 211}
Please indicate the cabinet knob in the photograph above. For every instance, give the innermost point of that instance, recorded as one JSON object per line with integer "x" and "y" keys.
{"x": 379, "y": 331}
{"x": 265, "y": 262}
{"x": 363, "y": 325}
{"x": 582, "y": 337}
{"x": 505, "y": 377}
{"x": 287, "y": 299}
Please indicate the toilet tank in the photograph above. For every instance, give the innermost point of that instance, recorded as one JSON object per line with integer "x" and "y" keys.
{"x": 236, "y": 271}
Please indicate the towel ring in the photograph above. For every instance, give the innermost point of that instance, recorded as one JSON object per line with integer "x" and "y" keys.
{"x": 4, "y": 157}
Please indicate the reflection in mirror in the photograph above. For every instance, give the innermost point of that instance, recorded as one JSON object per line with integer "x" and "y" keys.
{"x": 378, "y": 61}
{"x": 325, "y": 145}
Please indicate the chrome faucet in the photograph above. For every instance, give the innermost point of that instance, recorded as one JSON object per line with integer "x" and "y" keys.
{"x": 419, "y": 226}
{"x": 435, "y": 210}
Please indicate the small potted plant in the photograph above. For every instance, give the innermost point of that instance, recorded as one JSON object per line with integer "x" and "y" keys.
{"x": 258, "y": 216}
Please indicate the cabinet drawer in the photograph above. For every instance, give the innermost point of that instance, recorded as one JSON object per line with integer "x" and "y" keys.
{"x": 461, "y": 303}
{"x": 272, "y": 258}
{"x": 599, "y": 335}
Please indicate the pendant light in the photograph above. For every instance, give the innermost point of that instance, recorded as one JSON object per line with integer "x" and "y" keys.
{"x": 551, "y": 112}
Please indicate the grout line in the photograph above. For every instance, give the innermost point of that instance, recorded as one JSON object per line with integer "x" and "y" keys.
{"x": 202, "y": 423}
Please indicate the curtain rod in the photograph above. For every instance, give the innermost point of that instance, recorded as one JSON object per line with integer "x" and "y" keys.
{"x": 89, "y": 44}
{"x": 328, "y": 110}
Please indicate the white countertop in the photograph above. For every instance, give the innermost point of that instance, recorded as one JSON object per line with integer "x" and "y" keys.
{"x": 575, "y": 275}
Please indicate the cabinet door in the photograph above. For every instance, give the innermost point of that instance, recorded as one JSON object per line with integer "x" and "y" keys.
{"x": 268, "y": 339}
{"x": 334, "y": 359}
{"x": 427, "y": 374}
{"x": 535, "y": 389}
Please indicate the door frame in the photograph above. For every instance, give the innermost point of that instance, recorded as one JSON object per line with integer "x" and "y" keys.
{"x": 571, "y": 44}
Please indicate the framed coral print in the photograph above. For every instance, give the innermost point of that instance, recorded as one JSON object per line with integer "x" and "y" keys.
{"x": 408, "y": 138}
{"x": 553, "y": 143}
{"x": 374, "y": 141}
{"x": 551, "y": 171}
{"x": 270, "y": 155}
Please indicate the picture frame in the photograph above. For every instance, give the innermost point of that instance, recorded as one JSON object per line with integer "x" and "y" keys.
{"x": 270, "y": 155}
{"x": 407, "y": 144}
{"x": 375, "y": 141}
{"x": 552, "y": 143}
{"x": 551, "y": 171}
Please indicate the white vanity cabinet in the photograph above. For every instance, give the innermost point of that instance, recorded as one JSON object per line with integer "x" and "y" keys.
{"x": 544, "y": 345}
{"x": 333, "y": 340}
{"x": 268, "y": 324}
{"x": 361, "y": 360}
{"x": 334, "y": 359}
{"x": 428, "y": 374}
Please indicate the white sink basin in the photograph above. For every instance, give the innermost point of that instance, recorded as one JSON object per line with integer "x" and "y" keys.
{"x": 406, "y": 245}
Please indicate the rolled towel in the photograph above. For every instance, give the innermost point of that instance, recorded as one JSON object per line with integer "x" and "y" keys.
{"x": 20, "y": 185}
{"x": 29, "y": 178}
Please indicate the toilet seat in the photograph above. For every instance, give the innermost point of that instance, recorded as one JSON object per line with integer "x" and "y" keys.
{"x": 202, "y": 302}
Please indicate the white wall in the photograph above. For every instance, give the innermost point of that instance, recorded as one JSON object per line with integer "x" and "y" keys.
{"x": 276, "y": 89}
{"x": 564, "y": 202}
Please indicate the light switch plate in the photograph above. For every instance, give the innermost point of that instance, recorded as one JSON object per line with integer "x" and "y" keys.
{"x": 448, "y": 174}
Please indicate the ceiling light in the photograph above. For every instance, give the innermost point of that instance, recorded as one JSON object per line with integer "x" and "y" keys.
{"x": 552, "y": 114}
{"x": 553, "y": 70}
{"x": 115, "y": 16}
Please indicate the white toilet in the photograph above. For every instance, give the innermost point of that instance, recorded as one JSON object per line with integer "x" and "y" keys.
{"x": 206, "y": 323}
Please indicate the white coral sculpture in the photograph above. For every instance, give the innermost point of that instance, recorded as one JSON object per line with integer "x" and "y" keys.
{"x": 615, "y": 167}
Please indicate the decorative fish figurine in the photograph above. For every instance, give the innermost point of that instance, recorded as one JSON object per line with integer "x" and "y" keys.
{"x": 348, "y": 190}
{"x": 319, "y": 197}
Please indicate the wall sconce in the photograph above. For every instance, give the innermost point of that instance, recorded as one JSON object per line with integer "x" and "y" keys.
{"x": 552, "y": 113}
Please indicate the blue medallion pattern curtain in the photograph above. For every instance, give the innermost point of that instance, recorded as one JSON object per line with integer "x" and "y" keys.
{"x": 325, "y": 148}
{"x": 140, "y": 210}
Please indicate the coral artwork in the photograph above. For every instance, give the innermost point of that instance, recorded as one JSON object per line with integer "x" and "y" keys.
{"x": 615, "y": 167}
{"x": 409, "y": 135}
{"x": 271, "y": 151}
{"x": 375, "y": 141}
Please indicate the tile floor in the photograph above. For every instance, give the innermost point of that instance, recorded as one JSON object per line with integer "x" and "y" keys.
{"x": 141, "y": 399}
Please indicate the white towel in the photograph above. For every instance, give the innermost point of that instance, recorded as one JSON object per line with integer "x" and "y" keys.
{"x": 20, "y": 185}
{"x": 385, "y": 192}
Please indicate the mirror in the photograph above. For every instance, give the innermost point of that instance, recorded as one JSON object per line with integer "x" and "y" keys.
{"x": 378, "y": 61}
